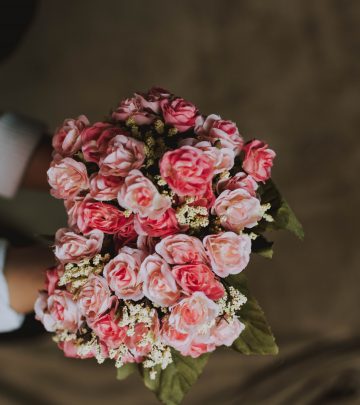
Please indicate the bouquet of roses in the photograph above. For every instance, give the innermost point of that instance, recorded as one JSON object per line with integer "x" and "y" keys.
{"x": 165, "y": 207}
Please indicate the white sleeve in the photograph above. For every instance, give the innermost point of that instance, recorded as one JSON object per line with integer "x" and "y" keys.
{"x": 9, "y": 319}
{"x": 19, "y": 136}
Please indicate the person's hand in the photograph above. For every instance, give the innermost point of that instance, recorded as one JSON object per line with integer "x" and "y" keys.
{"x": 24, "y": 272}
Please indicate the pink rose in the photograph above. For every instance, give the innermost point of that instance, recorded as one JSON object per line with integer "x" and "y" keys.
{"x": 172, "y": 337}
{"x": 67, "y": 139}
{"x": 67, "y": 178}
{"x": 95, "y": 140}
{"x": 52, "y": 277}
{"x": 194, "y": 313}
{"x": 240, "y": 180}
{"x": 229, "y": 253}
{"x": 163, "y": 226}
{"x": 198, "y": 346}
{"x": 105, "y": 188}
{"x": 159, "y": 284}
{"x": 140, "y": 195}
{"x": 237, "y": 210}
{"x": 122, "y": 155}
{"x": 91, "y": 215}
{"x": 198, "y": 277}
{"x": 107, "y": 328}
{"x": 214, "y": 129}
{"x": 94, "y": 297}
{"x": 57, "y": 311}
{"x": 151, "y": 99}
{"x": 187, "y": 170}
{"x": 133, "y": 108}
{"x": 222, "y": 158}
{"x": 179, "y": 113}
{"x": 181, "y": 249}
{"x": 122, "y": 273}
{"x": 71, "y": 247}
{"x": 227, "y": 331}
{"x": 258, "y": 160}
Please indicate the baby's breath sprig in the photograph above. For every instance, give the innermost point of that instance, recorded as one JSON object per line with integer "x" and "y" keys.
{"x": 231, "y": 302}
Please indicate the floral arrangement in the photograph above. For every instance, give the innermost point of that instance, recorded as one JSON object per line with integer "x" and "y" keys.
{"x": 165, "y": 208}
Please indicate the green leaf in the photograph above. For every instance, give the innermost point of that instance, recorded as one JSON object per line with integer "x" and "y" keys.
{"x": 256, "y": 338}
{"x": 262, "y": 247}
{"x": 171, "y": 384}
{"x": 126, "y": 370}
{"x": 284, "y": 217}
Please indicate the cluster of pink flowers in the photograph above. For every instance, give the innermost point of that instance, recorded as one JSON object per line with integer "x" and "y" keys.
{"x": 162, "y": 202}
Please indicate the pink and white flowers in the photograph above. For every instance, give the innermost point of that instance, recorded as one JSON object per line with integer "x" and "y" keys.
{"x": 163, "y": 205}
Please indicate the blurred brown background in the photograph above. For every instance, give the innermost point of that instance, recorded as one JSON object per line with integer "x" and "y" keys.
{"x": 286, "y": 71}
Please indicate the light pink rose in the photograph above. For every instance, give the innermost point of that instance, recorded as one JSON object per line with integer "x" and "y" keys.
{"x": 229, "y": 253}
{"x": 240, "y": 180}
{"x": 90, "y": 214}
{"x": 237, "y": 210}
{"x": 258, "y": 160}
{"x": 198, "y": 277}
{"x": 187, "y": 171}
{"x": 140, "y": 195}
{"x": 105, "y": 188}
{"x": 107, "y": 328}
{"x": 198, "y": 346}
{"x": 122, "y": 155}
{"x": 193, "y": 313}
{"x": 94, "y": 297}
{"x": 122, "y": 274}
{"x": 179, "y": 113}
{"x": 57, "y": 311}
{"x": 223, "y": 158}
{"x": 166, "y": 225}
{"x": 71, "y": 247}
{"x": 227, "y": 331}
{"x": 151, "y": 99}
{"x": 181, "y": 249}
{"x": 146, "y": 244}
{"x": 67, "y": 138}
{"x": 133, "y": 108}
{"x": 159, "y": 284}
{"x": 67, "y": 178}
{"x": 172, "y": 337}
{"x": 96, "y": 138}
{"x": 214, "y": 129}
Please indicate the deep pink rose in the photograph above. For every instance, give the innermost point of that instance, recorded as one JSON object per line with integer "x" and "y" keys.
{"x": 179, "y": 113}
{"x": 227, "y": 331}
{"x": 146, "y": 244}
{"x": 57, "y": 311}
{"x": 126, "y": 234}
{"x": 105, "y": 217}
{"x": 229, "y": 253}
{"x": 240, "y": 180}
{"x": 198, "y": 277}
{"x": 133, "y": 108}
{"x": 181, "y": 249}
{"x": 214, "y": 129}
{"x": 71, "y": 247}
{"x": 67, "y": 138}
{"x": 163, "y": 226}
{"x": 187, "y": 170}
{"x": 172, "y": 337}
{"x": 67, "y": 178}
{"x": 159, "y": 284}
{"x": 107, "y": 328}
{"x": 122, "y": 274}
{"x": 140, "y": 195}
{"x": 194, "y": 313}
{"x": 94, "y": 297}
{"x": 96, "y": 138}
{"x": 222, "y": 158}
{"x": 122, "y": 155}
{"x": 237, "y": 210}
{"x": 105, "y": 188}
{"x": 151, "y": 99}
{"x": 258, "y": 160}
